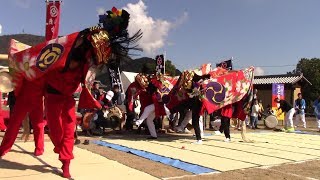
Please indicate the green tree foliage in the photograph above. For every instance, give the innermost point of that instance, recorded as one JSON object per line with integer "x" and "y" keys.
{"x": 148, "y": 68}
{"x": 170, "y": 68}
{"x": 311, "y": 70}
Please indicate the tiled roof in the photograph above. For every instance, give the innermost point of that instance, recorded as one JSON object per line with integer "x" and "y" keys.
{"x": 284, "y": 79}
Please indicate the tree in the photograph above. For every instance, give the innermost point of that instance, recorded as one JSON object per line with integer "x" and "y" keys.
{"x": 148, "y": 68}
{"x": 311, "y": 70}
{"x": 170, "y": 68}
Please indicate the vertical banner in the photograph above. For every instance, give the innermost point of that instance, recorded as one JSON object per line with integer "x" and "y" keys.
{"x": 52, "y": 19}
{"x": 277, "y": 91}
{"x": 115, "y": 77}
{"x": 160, "y": 64}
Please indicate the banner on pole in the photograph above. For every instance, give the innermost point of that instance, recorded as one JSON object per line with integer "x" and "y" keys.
{"x": 52, "y": 19}
{"x": 225, "y": 64}
{"x": 115, "y": 77}
{"x": 277, "y": 91}
{"x": 160, "y": 64}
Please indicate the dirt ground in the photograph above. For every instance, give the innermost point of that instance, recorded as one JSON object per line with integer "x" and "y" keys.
{"x": 301, "y": 170}
{"x": 293, "y": 171}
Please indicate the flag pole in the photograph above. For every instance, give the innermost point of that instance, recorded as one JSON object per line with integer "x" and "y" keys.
{"x": 164, "y": 62}
{"x": 122, "y": 90}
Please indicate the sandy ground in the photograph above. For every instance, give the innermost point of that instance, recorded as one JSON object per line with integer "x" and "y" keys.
{"x": 301, "y": 170}
{"x": 298, "y": 170}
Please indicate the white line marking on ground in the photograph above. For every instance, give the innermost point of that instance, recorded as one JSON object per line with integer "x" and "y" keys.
{"x": 193, "y": 175}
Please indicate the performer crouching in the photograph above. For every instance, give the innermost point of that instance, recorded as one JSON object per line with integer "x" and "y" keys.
{"x": 151, "y": 99}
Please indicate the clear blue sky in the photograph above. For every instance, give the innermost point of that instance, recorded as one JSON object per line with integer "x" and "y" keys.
{"x": 254, "y": 32}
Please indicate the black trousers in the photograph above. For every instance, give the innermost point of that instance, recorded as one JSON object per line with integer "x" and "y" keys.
{"x": 196, "y": 108}
{"x": 129, "y": 121}
{"x": 195, "y": 105}
{"x": 225, "y": 126}
{"x": 182, "y": 114}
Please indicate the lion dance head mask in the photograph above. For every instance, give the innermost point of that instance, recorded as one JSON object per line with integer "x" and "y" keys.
{"x": 142, "y": 80}
{"x": 110, "y": 39}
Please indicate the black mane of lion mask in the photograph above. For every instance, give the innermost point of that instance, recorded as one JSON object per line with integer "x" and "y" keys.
{"x": 110, "y": 39}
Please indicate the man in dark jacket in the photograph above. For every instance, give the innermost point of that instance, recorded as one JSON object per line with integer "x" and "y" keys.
{"x": 289, "y": 112}
{"x": 95, "y": 91}
{"x": 117, "y": 100}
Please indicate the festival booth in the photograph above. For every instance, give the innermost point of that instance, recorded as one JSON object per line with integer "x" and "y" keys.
{"x": 291, "y": 86}
{"x": 284, "y": 86}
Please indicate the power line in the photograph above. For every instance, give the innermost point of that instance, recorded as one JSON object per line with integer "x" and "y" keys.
{"x": 272, "y": 66}
{"x": 287, "y": 65}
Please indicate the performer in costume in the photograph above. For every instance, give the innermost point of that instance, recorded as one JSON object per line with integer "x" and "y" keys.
{"x": 132, "y": 93}
{"x": 185, "y": 95}
{"x": 28, "y": 101}
{"x": 60, "y": 106}
{"x": 226, "y": 114}
{"x": 93, "y": 47}
{"x": 215, "y": 89}
{"x": 64, "y": 63}
{"x": 2, "y": 124}
{"x": 152, "y": 105}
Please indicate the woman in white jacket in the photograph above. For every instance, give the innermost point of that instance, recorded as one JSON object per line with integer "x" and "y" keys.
{"x": 254, "y": 114}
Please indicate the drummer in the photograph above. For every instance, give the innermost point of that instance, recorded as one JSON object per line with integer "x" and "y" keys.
{"x": 289, "y": 112}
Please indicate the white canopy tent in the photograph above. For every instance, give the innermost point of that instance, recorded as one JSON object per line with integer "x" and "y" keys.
{"x": 127, "y": 78}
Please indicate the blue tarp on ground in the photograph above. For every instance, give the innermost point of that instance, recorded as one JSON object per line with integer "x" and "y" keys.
{"x": 304, "y": 132}
{"x": 193, "y": 168}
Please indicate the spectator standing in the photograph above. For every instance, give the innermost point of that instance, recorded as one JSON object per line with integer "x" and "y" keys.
{"x": 254, "y": 114}
{"x": 316, "y": 106}
{"x": 300, "y": 105}
{"x": 261, "y": 109}
{"x": 255, "y": 97}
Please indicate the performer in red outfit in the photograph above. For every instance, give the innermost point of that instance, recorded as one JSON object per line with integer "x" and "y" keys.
{"x": 130, "y": 97}
{"x": 65, "y": 66}
{"x": 152, "y": 105}
{"x": 60, "y": 104}
{"x": 28, "y": 101}
{"x": 93, "y": 47}
{"x": 2, "y": 125}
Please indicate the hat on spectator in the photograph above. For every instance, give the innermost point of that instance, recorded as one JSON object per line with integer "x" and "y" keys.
{"x": 109, "y": 95}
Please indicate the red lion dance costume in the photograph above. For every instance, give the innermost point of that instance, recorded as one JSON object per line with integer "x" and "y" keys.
{"x": 64, "y": 63}
{"x": 32, "y": 93}
{"x": 150, "y": 92}
{"x": 216, "y": 89}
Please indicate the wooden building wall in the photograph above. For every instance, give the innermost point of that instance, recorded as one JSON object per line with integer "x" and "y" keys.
{"x": 265, "y": 93}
